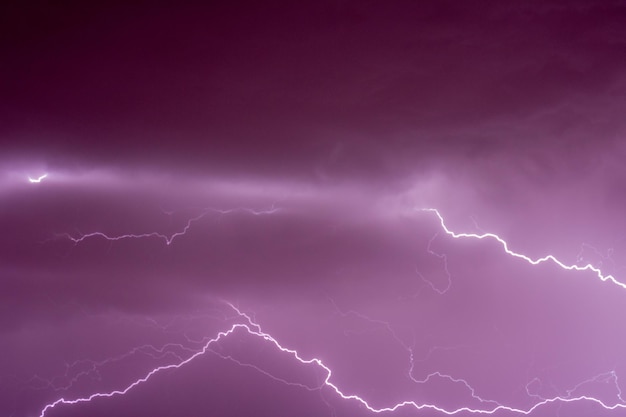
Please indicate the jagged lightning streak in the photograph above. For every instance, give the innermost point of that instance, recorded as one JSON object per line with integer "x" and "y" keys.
{"x": 254, "y": 329}
{"x": 169, "y": 239}
{"x": 444, "y": 259}
{"x": 38, "y": 179}
{"x": 505, "y": 246}
{"x": 67, "y": 380}
{"x": 604, "y": 378}
{"x": 410, "y": 350}
{"x": 461, "y": 381}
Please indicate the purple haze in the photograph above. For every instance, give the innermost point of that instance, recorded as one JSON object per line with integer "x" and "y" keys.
{"x": 256, "y": 173}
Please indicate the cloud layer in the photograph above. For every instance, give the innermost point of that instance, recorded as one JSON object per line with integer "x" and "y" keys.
{"x": 277, "y": 156}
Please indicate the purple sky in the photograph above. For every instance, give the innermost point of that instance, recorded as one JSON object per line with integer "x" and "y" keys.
{"x": 255, "y": 173}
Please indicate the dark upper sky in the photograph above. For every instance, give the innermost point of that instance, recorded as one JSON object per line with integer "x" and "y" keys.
{"x": 292, "y": 86}
{"x": 276, "y": 155}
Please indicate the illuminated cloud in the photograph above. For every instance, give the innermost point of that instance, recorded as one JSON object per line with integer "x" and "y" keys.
{"x": 345, "y": 209}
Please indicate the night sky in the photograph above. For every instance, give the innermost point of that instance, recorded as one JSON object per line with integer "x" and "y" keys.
{"x": 326, "y": 208}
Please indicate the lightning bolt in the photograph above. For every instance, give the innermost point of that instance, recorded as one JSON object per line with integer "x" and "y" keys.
{"x": 548, "y": 258}
{"x": 254, "y": 329}
{"x": 68, "y": 379}
{"x": 249, "y": 326}
{"x": 38, "y": 179}
{"x": 169, "y": 239}
{"x": 444, "y": 260}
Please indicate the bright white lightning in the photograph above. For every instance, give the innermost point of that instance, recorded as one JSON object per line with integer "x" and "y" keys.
{"x": 252, "y": 328}
{"x": 38, "y": 179}
{"x": 532, "y": 261}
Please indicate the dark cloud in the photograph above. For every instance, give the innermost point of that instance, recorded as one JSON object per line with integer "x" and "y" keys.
{"x": 276, "y": 87}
